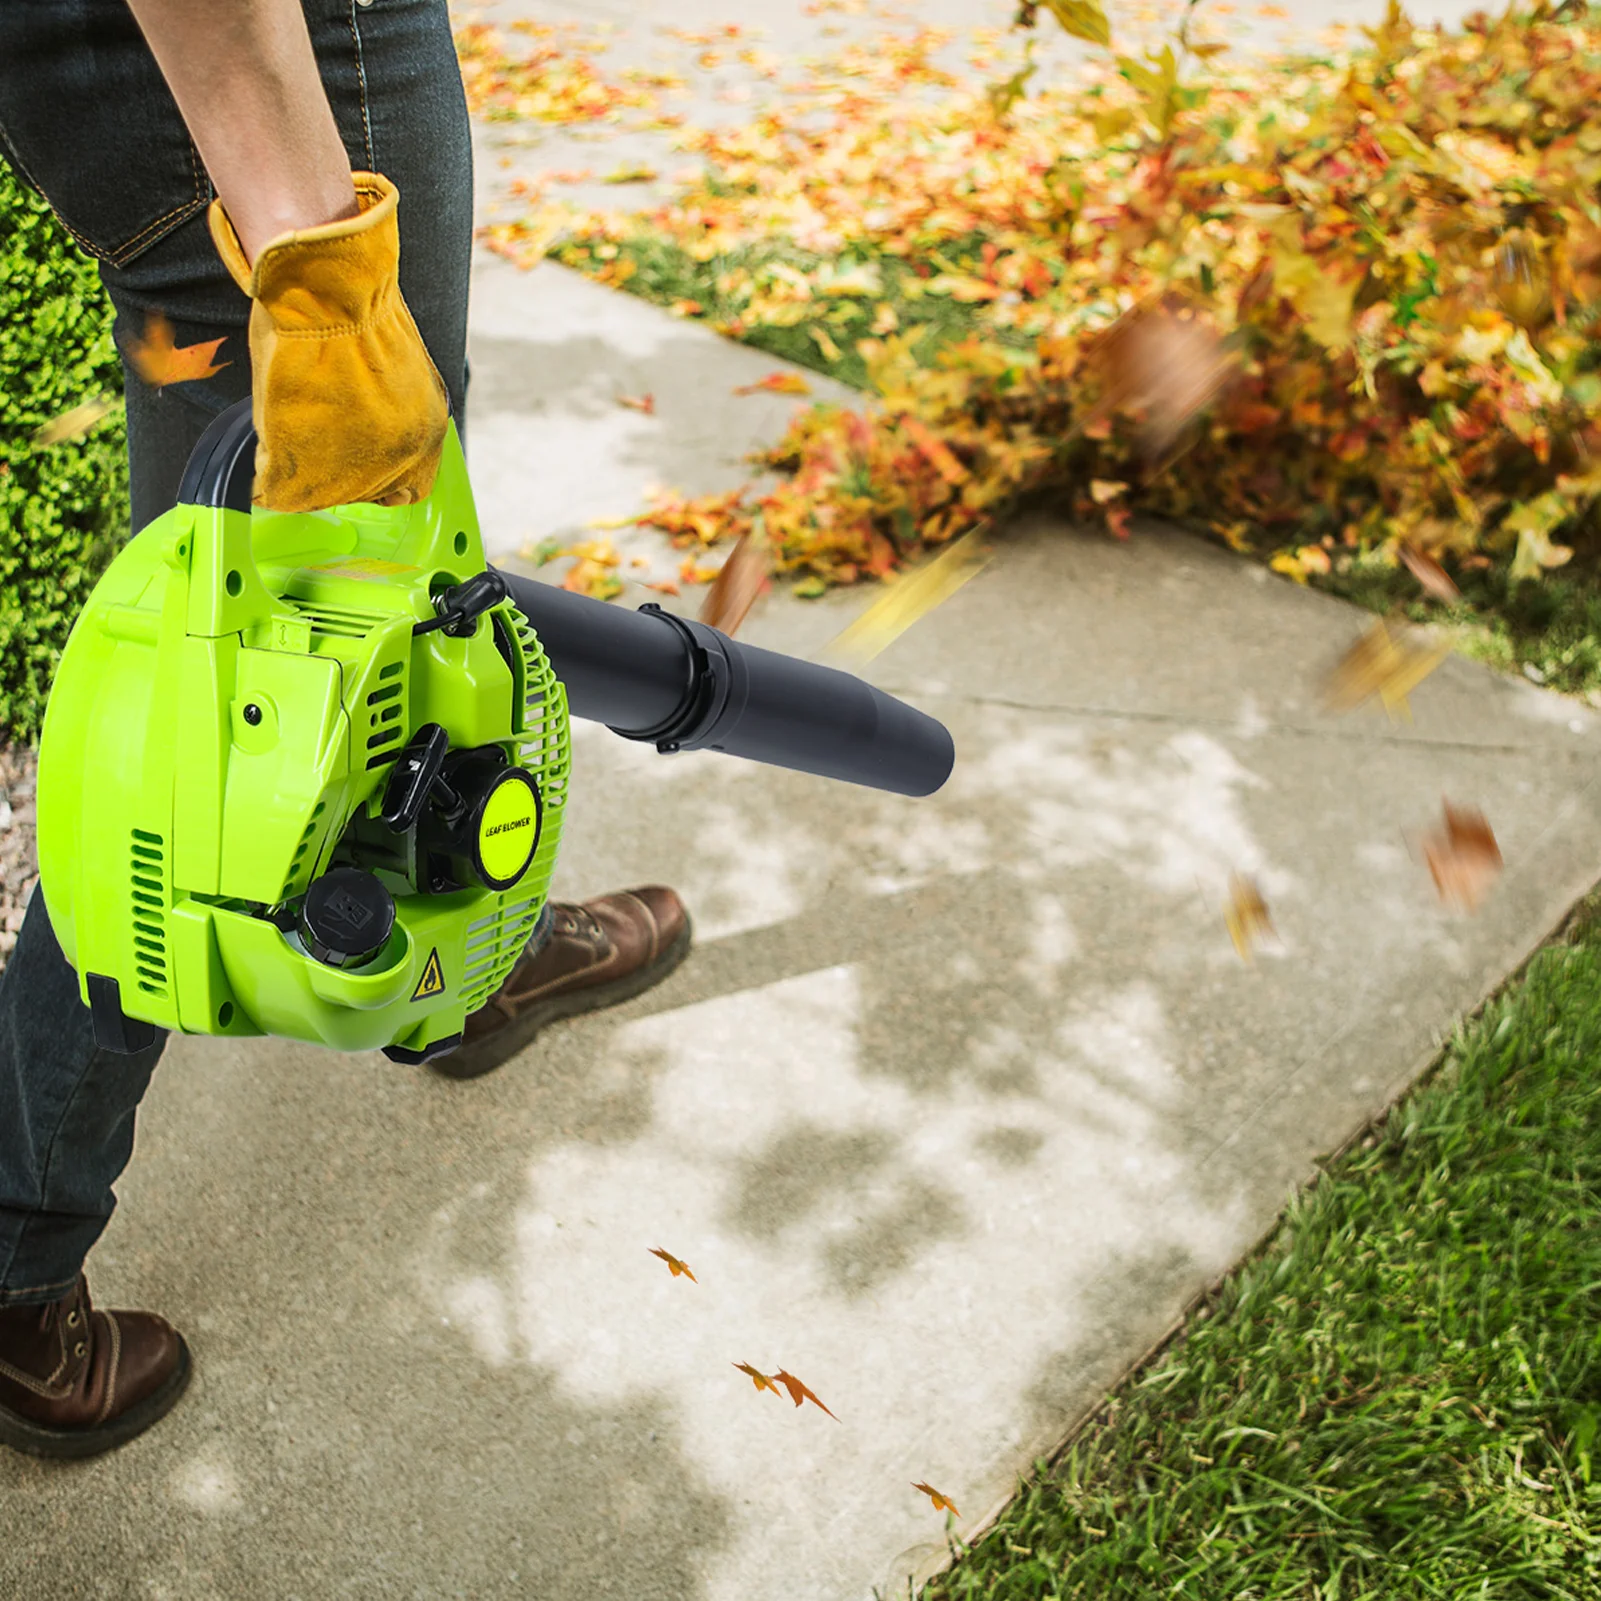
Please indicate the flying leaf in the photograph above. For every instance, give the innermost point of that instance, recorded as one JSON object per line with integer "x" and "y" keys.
{"x": 1084, "y": 19}
{"x": 674, "y": 1264}
{"x": 942, "y": 1503}
{"x": 634, "y": 174}
{"x": 798, "y": 1391}
{"x": 742, "y": 579}
{"x": 1430, "y": 574}
{"x": 1385, "y": 662}
{"x": 760, "y": 1380}
{"x": 72, "y": 424}
{"x": 909, "y": 599}
{"x": 1164, "y": 358}
{"x": 159, "y": 362}
{"x": 777, "y": 383}
{"x": 1463, "y": 857}
{"x": 644, "y": 403}
{"x": 1246, "y": 914}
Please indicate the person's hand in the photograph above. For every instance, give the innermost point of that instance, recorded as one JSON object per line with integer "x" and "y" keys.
{"x": 346, "y": 401}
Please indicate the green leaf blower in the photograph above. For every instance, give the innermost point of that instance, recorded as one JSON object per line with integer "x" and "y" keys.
{"x": 304, "y": 774}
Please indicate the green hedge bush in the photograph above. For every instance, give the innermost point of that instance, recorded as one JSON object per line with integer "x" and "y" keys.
{"x": 64, "y": 510}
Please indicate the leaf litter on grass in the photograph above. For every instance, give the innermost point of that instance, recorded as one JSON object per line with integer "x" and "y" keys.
{"x": 1386, "y": 279}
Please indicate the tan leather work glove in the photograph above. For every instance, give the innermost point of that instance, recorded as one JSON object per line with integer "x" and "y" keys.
{"x": 346, "y": 401}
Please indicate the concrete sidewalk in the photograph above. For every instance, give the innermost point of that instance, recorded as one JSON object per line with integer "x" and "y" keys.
{"x": 956, "y": 1105}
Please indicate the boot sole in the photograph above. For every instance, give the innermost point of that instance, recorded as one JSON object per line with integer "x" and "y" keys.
{"x": 70, "y": 1444}
{"x": 475, "y": 1061}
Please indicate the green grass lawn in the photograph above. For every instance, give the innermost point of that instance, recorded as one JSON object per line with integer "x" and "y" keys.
{"x": 1397, "y": 1396}
{"x": 663, "y": 273}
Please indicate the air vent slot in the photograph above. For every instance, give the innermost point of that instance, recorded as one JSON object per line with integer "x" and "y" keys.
{"x": 151, "y": 897}
{"x": 340, "y": 622}
{"x": 386, "y": 708}
{"x": 307, "y": 835}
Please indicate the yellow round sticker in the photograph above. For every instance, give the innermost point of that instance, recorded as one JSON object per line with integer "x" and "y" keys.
{"x": 508, "y": 831}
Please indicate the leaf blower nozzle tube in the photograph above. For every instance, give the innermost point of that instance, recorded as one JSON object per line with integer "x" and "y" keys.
{"x": 682, "y": 685}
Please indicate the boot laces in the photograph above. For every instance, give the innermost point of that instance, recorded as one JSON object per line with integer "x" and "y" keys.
{"x": 567, "y": 920}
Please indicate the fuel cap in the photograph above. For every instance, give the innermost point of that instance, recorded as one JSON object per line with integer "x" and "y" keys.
{"x": 347, "y": 917}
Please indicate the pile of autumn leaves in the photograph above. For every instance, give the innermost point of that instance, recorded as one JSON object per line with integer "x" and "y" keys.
{"x": 1318, "y": 309}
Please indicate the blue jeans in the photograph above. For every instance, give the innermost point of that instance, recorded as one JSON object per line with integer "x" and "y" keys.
{"x": 87, "y": 120}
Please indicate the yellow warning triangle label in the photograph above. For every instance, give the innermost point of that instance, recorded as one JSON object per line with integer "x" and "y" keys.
{"x": 432, "y": 981}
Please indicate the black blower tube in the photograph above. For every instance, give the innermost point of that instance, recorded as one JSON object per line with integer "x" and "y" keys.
{"x": 683, "y": 685}
{"x": 650, "y": 675}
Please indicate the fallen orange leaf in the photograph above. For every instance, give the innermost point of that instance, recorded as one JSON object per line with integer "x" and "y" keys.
{"x": 777, "y": 383}
{"x": 644, "y": 403}
{"x": 675, "y": 1266}
{"x": 798, "y": 1391}
{"x": 159, "y": 362}
{"x": 761, "y": 1380}
{"x": 942, "y": 1503}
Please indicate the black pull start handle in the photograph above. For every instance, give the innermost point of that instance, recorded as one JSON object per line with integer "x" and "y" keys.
{"x": 416, "y": 776}
{"x": 459, "y": 607}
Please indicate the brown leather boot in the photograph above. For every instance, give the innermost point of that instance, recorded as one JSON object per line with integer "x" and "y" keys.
{"x": 597, "y": 954}
{"x": 75, "y": 1382}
